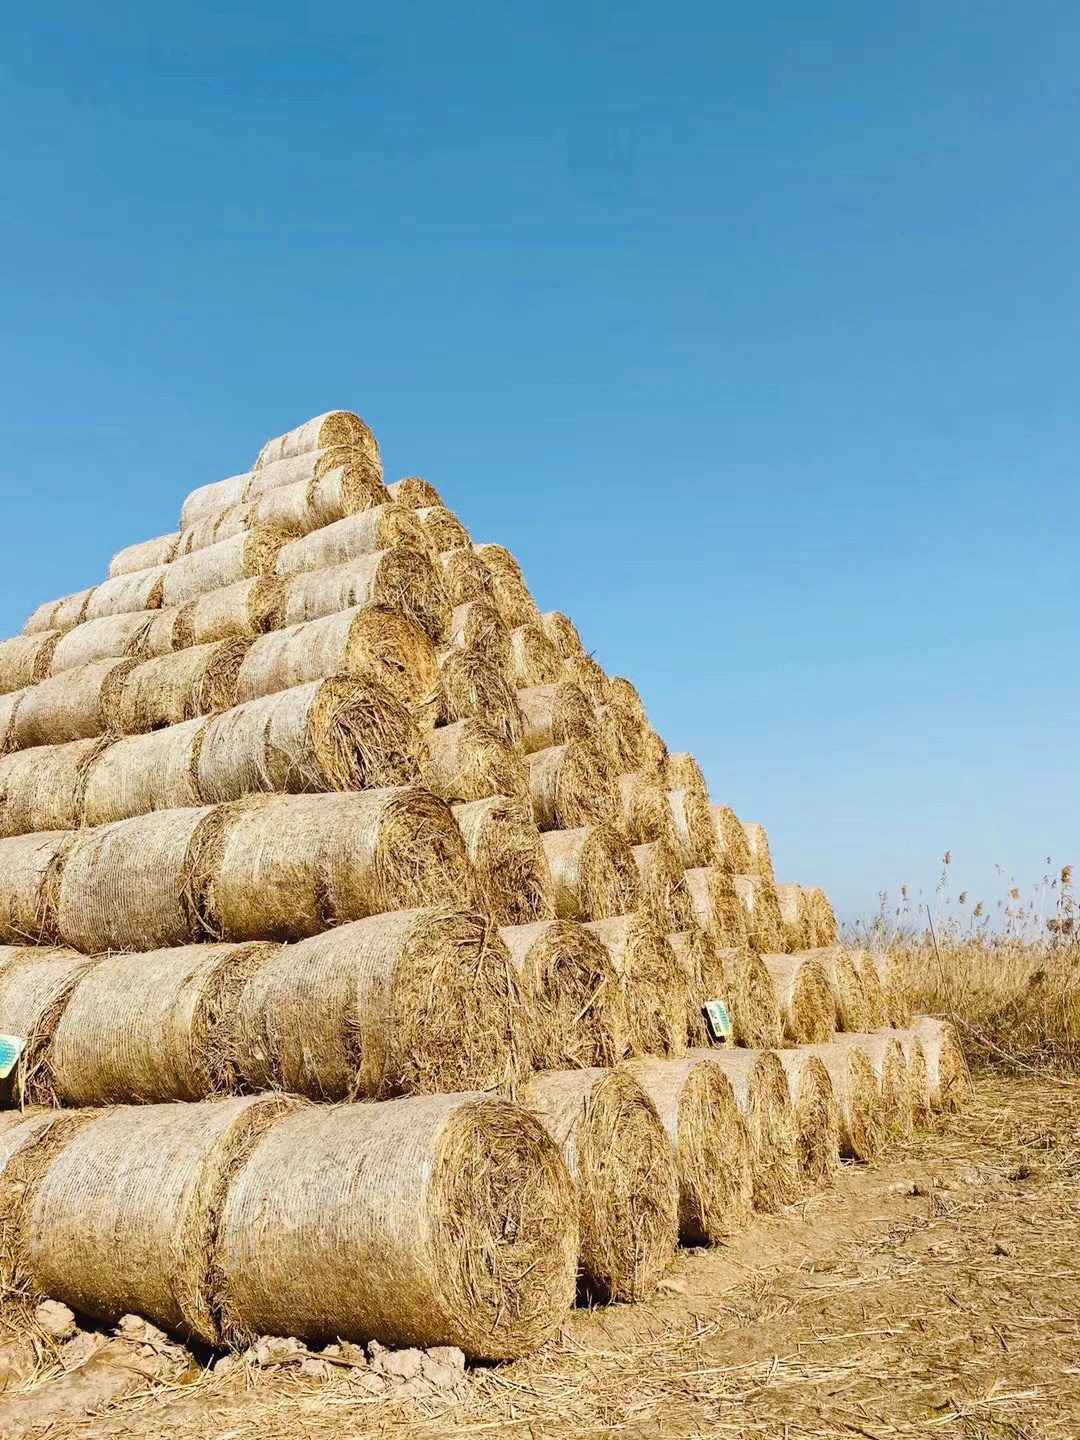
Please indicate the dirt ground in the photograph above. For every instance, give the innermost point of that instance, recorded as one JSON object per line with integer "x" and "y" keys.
{"x": 937, "y": 1294}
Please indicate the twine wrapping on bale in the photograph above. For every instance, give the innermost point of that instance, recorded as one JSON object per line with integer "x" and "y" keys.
{"x": 213, "y": 499}
{"x": 563, "y": 633}
{"x": 760, "y": 1086}
{"x": 173, "y": 688}
{"x": 362, "y": 534}
{"x": 795, "y": 917}
{"x": 373, "y": 643}
{"x": 154, "y": 1027}
{"x": 697, "y": 1109}
{"x": 443, "y": 529}
{"x": 824, "y": 919}
{"x": 412, "y": 491}
{"x": 144, "y": 590}
{"x": 877, "y": 1009}
{"x": 30, "y": 867}
{"x": 644, "y": 809}
{"x": 886, "y": 1057}
{"x": 845, "y": 987}
{"x": 757, "y": 896}
{"x": 503, "y": 845}
{"x": 125, "y": 1219}
{"x": 918, "y": 1075}
{"x": 575, "y": 1008}
{"x": 715, "y": 905}
{"x": 216, "y": 525}
{"x": 587, "y": 673}
{"x": 241, "y": 557}
{"x": 946, "y": 1068}
{"x": 592, "y": 872}
{"x": 28, "y": 1145}
{"x": 143, "y": 555}
{"x": 25, "y": 659}
{"x": 732, "y": 851}
{"x": 619, "y": 736}
{"x": 287, "y": 866}
{"x": 474, "y": 685}
{"x": 533, "y": 658}
{"x": 243, "y": 610}
{"x": 59, "y": 614}
{"x": 757, "y": 842}
{"x": 77, "y": 705}
{"x": 414, "y": 1002}
{"x": 336, "y": 427}
{"x": 817, "y": 1117}
{"x": 570, "y": 787}
{"x": 468, "y": 760}
{"x": 9, "y": 706}
{"x": 555, "y": 714}
{"x": 402, "y": 578}
{"x": 623, "y": 1167}
{"x": 465, "y": 577}
{"x": 330, "y": 495}
{"x": 664, "y": 896}
{"x": 802, "y": 992}
{"x": 36, "y": 984}
{"x": 692, "y": 828}
{"x": 336, "y": 734}
{"x": 113, "y": 637}
{"x": 476, "y": 625}
{"x": 515, "y": 604}
{"x": 655, "y": 985}
{"x": 438, "y": 1220}
{"x": 136, "y": 884}
{"x": 42, "y": 788}
{"x": 141, "y": 773}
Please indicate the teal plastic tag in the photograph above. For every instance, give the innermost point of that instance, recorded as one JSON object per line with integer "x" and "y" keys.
{"x": 11, "y": 1047}
{"x": 718, "y": 1018}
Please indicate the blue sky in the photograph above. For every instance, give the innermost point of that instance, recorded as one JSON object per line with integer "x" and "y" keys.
{"x": 751, "y": 329}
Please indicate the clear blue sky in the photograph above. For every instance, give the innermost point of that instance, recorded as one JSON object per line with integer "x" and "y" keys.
{"x": 751, "y": 329}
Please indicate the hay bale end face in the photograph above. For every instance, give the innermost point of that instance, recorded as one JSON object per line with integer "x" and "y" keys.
{"x": 950, "y": 1083}
{"x": 760, "y": 1087}
{"x": 732, "y": 851}
{"x": 468, "y": 760}
{"x": 30, "y": 869}
{"x": 817, "y": 1116}
{"x": 401, "y": 578}
{"x": 412, "y": 491}
{"x": 574, "y": 1002}
{"x": 802, "y": 992}
{"x": 474, "y": 686}
{"x": 36, "y": 986}
{"x": 655, "y": 986}
{"x": 514, "y": 885}
{"x": 796, "y": 918}
{"x": 592, "y": 872}
{"x": 570, "y": 787}
{"x": 864, "y": 1129}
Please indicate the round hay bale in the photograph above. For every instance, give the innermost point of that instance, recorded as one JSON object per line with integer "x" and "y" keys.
{"x": 877, "y": 1009}
{"x": 9, "y": 706}
{"x": 135, "y": 884}
{"x": 150, "y": 1028}
{"x": 664, "y": 896}
{"x": 795, "y": 917}
{"x": 852, "y": 1013}
{"x": 476, "y": 625}
{"x": 864, "y": 1132}
{"x": 443, "y": 529}
{"x": 240, "y": 557}
{"x": 759, "y": 1083}
{"x": 533, "y": 658}
{"x": 36, "y": 985}
{"x": 732, "y": 851}
{"x": 682, "y": 772}
{"x": 646, "y": 815}
{"x": 654, "y": 755}
{"x": 367, "y": 643}
{"x": 886, "y": 1056}
{"x": 585, "y": 671}
{"x": 574, "y": 1000}
{"x": 515, "y": 604}
{"x": 950, "y": 1083}
{"x": 918, "y": 1075}
{"x": 474, "y": 685}
{"x": 213, "y": 526}
{"x": 418, "y": 1001}
{"x": 336, "y": 734}
{"x": 623, "y": 1167}
{"x": 26, "y": 659}
{"x": 141, "y": 773}
{"x": 60, "y": 614}
{"x": 28, "y": 1145}
{"x": 437, "y": 1220}
{"x": 755, "y": 1011}
{"x": 715, "y": 905}
{"x": 569, "y": 787}
{"x": 695, "y": 953}
{"x": 468, "y": 760}
{"x": 42, "y": 788}
{"x": 77, "y": 705}
{"x": 592, "y": 871}
{"x": 201, "y": 680}
{"x": 335, "y": 428}
{"x": 655, "y": 986}
{"x": 691, "y": 827}
{"x": 757, "y": 842}
{"x": 619, "y": 736}
{"x": 163, "y": 632}
{"x": 113, "y": 637}
{"x": 697, "y": 1109}
{"x": 242, "y": 611}
{"x": 563, "y": 633}
{"x": 555, "y": 714}
{"x": 503, "y": 845}
{"x": 807, "y": 1010}
{"x": 125, "y": 1218}
{"x": 363, "y": 534}
{"x": 764, "y": 929}
{"x": 401, "y": 578}
{"x": 817, "y": 1117}
{"x": 144, "y": 555}
{"x": 890, "y": 977}
{"x": 824, "y": 919}
{"x": 624, "y": 693}
{"x": 412, "y": 491}
{"x": 144, "y": 590}
{"x": 465, "y": 577}
{"x": 30, "y": 867}
{"x": 308, "y": 467}
{"x": 330, "y": 495}
{"x": 288, "y": 866}
{"x": 212, "y": 499}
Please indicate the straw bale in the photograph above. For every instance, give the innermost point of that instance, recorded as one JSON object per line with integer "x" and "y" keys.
{"x": 125, "y": 594}
{"x": 59, "y": 614}
{"x": 172, "y": 688}
{"x": 654, "y": 983}
{"x": 309, "y": 466}
{"x": 760, "y": 1086}
{"x": 570, "y": 787}
{"x": 362, "y": 534}
{"x": 715, "y": 904}
{"x": 877, "y": 1009}
{"x": 886, "y": 1056}
{"x": 555, "y": 715}
{"x": 891, "y": 979}
{"x": 533, "y": 658}
{"x": 682, "y": 772}
{"x": 697, "y": 1109}
{"x": 336, "y": 734}
{"x": 795, "y": 917}
{"x": 368, "y": 643}
{"x": 592, "y": 871}
{"x": 28, "y": 1144}
{"x": 242, "y": 611}
{"x": 757, "y": 842}
{"x": 563, "y": 633}
{"x": 134, "y": 884}
{"x": 807, "y": 1009}
{"x": 240, "y": 557}
{"x": 474, "y": 685}
{"x": 163, "y": 633}
{"x": 213, "y": 526}
{"x": 476, "y": 625}
{"x": 214, "y": 498}
{"x": 42, "y": 788}
{"x": 336, "y": 427}
{"x": 329, "y": 496}
{"x": 514, "y": 883}
{"x": 25, "y": 659}
{"x": 414, "y": 1002}
{"x": 645, "y": 813}
{"x": 817, "y": 1117}
{"x": 141, "y": 773}
{"x": 436, "y": 1220}
{"x": 125, "y": 1219}
{"x": 620, "y": 737}
{"x": 468, "y": 760}
{"x": 465, "y": 577}
{"x": 918, "y": 1075}
{"x": 623, "y": 1166}
{"x": 950, "y": 1083}
{"x": 575, "y": 1005}
{"x": 29, "y": 869}
{"x": 113, "y": 637}
{"x": 654, "y": 753}
{"x": 143, "y": 555}
{"x": 75, "y": 705}
{"x": 290, "y": 865}
{"x": 402, "y": 578}
{"x": 764, "y": 928}
{"x": 515, "y": 604}
{"x": 623, "y": 692}
{"x": 36, "y": 985}
{"x": 733, "y": 853}
{"x": 443, "y": 529}
{"x": 696, "y": 952}
{"x": 692, "y": 828}
{"x": 664, "y": 896}
{"x": 585, "y": 671}
{"x": 9, "y": 706}
{"x": 412, "y": 491}
{"x": 755, "y": 1011}
{"x": 852, "y": 1013}
{"x": 824, "y": 919}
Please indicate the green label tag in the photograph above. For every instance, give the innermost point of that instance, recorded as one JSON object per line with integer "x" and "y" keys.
{"x": 11, "y": 1047}
{"x": 718, "y": 1018}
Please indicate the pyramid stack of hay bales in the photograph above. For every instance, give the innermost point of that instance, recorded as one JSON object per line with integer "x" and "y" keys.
{"x": 313, "y": 826}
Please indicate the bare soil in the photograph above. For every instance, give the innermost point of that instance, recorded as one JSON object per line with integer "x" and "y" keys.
{"x": 936, "y": 1294}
